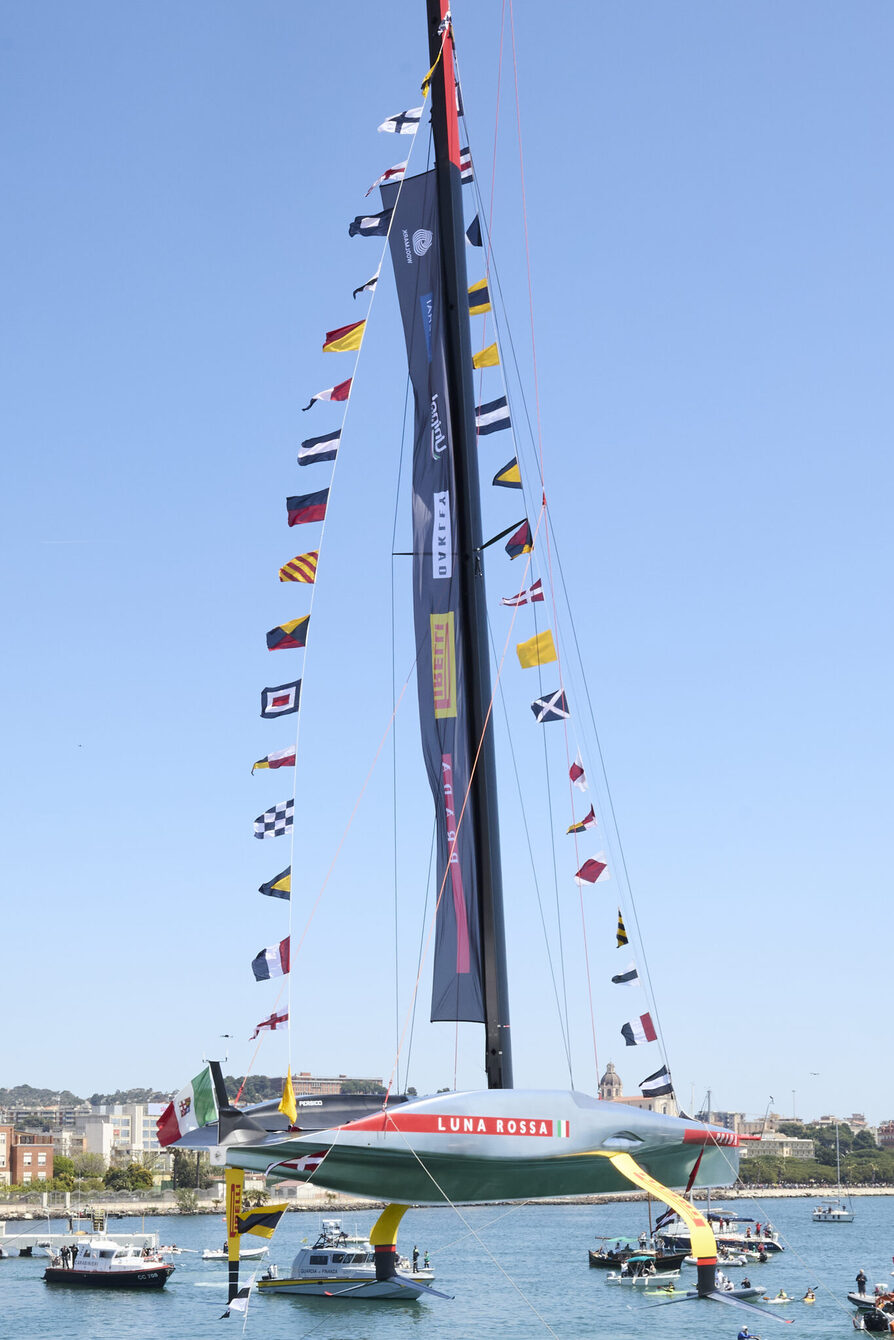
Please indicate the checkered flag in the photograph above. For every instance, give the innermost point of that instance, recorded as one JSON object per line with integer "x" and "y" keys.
{"x": 275, "y": 822}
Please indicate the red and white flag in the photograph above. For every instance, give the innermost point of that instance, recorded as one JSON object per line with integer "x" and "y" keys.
{"x": 271, "y": 962}
{"x": 577, "y": 774}
{"x": 340, "y": 392}
{"x": 280, "y": 758}
{"x": 273, "y": 1023}
{"x": 528, "y": 597}
{"x": 591, "y": 871}
{"x": 390, "y": 174}
{"x": 639, "y": 1030}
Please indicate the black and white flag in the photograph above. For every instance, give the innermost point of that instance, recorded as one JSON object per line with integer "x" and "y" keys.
{"x": 367, "y": 287}
{"x": 239, "y": 1301}
{"x": 314, "y": 449}
{"x": 276, "y": 822}
{"x": 653, "y": 1086}
{"x": 405, "y": 123}
{"x": 492, "y": 416}
{"x": 554, "y": 707}
{"x": 630, "y": 976}
{"x": 370, "y": 225}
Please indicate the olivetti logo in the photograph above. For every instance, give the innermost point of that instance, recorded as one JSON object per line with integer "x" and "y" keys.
{"x": 422, "y": 240}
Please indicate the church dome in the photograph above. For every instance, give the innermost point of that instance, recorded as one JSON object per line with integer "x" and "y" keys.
{"x": 610, "y": 1086}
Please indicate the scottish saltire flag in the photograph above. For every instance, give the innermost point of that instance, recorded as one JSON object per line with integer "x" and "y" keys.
{"x": 552, "y": 707}
{"x": 654, "y": 1086}
{"x": 307, "y": 507}
{"x": 577, "y": 774}
{"x": 271, "y": 962}
{"x": 405, "y": 123}
{"x": 367, "y": 287}
{"x": 344, "y": 339}
{"x": 522, "y": 542}
{"x": 276, "y": 822}
{"x": 488, "y": 357}
{"x": 286, "y": 636}
{"x": 465, "y": 165}
{"x": 529, "y": 597}
{"x": 479, "y": 298}
{"x": 282, "y": 700}
{"x": 639, "y": 1030}
{"x": 588, "y": 821}
{"x": 370, "y": 225}
{"x": 591, "y": 871}
{"x": 324, "y": 448}
{"x": 492, "y": 416}
{"x": 340, "y": 392}
{"x": 261, "y": 1222}
{"x": 280, "y": 886}
{"x": 537, "y": 650}
{"x": 473, "y": 233}
{"x": 509, "y": 477}
{"x": 273, "y": 1022}
{"x": 622, "y": 934}
{"x": 282, "y": 758}
{"x": 194, "y": 1106}
{"x": 301, "y": 568}
{"x": 629, "y": 977}
{"x": 395, "y": 173}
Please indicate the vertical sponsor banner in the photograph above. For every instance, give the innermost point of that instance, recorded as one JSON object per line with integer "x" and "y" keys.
{"x": 457, "y": 990}
{"x": 235, "y": 1183}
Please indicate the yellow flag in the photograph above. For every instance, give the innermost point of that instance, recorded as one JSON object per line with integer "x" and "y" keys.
{"x": 486, "y": 358}
{"x": 539, "y": 650}
{"x": 287, "y": 1104}
{"x": 344, "y": 339}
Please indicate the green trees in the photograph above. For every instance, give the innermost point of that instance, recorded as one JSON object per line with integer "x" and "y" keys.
{"x": 190, "y": 1170}
{"x": 131, "y": 1177}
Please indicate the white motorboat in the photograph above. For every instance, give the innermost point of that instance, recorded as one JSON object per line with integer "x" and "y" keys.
{"x": 836, "y": 1212}
{"x": 105, "y": 1264}
{"x": 662, "y": 1277}
{"x": 340, "y": 1265}
{"x": 247, "y": 1253}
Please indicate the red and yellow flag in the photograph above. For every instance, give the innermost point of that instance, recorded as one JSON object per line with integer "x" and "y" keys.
{"x": 301, "y": 568}
{"x": 343, "y": 340}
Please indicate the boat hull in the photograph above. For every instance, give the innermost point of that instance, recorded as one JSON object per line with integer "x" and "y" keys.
{"x": 154, "y": 1277}
{"x": 345, "y": 1287}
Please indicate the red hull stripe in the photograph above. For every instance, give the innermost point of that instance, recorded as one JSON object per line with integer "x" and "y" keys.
{"x": 451, "y": 1124}
{"x": 695, "y": 1137}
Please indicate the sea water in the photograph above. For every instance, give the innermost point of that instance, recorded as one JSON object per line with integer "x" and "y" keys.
{"x": 514, "y": 1271}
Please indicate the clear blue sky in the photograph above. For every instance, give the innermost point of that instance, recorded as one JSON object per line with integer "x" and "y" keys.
{"x": 710, "y": 208}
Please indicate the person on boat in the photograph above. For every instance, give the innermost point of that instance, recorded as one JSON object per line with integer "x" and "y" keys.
{"x": 809, "y": 1297}
{"x": 758, "y": 1228}
{"x": 74, "y": 1252}
{"x": 861, "y": 1281}
{"x": 745, "y": 1334}
{"x": 762, "y": 1257}
{"x": 748, "y": 1232}
{"x": 782, "y": 1296}
{"x": 425, "y": 1262}
{"x": 746, "y": 1282}
{"x": 415, "y": 1257}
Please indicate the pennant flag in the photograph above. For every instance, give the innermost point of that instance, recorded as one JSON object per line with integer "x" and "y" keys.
{"x": 486, "y": 358}
{"x": 622, "y": 934}
{"x": 465, "y": 163}
{"x": 261, "y": 1222}
{"x": 282, "y": 700}
{"x": 395, "y": 173}
{"x": 492, "y": 416}
{"x": 239, "y": 1301}
{"x": 271, "y": 962}
{"x": 509, "y": 477}
{"x": 653, "y": 1086}
{"x": 588, "y": 821}
{"x": 529, "y": 597}
{"x": 591, "y": 871}
{"x": 369, "y": 225}
{"x": 194, "y": 1106}
{"x": 274, "y": 823}
{"x": 315, "y": 449}
{"x": 340, "y": 392}
{"x": 538, "y": 650}
{"x": 367, "y": 287}
{"x": 522, "y": 542}
{"x": 307, "y": 507}
{"x": 630, "y": 977}
{"x": 577, "y": 774}
{"x": 404, "y": 123}
{"x": 274, "y": 1022}
{"x": 473, "y": 233}
{"x": 287, "y": 1104}
{"x": 301, "y": 568}
{"x": 639, "y": 1030}
{"x": 554, "y": 707}
{"x": 280, "y": 887}
{"x": 283, "y": 758}
{"x": 479, "y": 298}
{"x": 288, "y": 635}
{"x": 344, "y": 339}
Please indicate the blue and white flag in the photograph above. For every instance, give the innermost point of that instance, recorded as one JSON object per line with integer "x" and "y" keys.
{"x": 554, "y": 707}
{"x": 276, "y": 822}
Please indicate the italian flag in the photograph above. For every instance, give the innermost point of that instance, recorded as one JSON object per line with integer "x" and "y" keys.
{"x": 194, "y": 1106}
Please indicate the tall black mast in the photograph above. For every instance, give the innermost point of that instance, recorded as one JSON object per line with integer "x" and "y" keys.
{"x": 476, "y": 654}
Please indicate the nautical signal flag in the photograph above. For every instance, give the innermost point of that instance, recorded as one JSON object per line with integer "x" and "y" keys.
{"x": 510, "y": 476}
{"x": 287, "y": 1104}
{"x": 492, "y": 416}
{"x": 370, "y": 225}
{"x": 622, "y": 934}
{"x": 530, "y": 597}
{"x": 271, "y": 962}
{"x": 653, "y": 1086}
{"x": 283, "y": 758}
{"x": 340, "y": 392}
{"x": 239, "y": 1301}
{"x": 274, "y": 1022}
{"x": 286, "y": 636}
{"x": 489, "y": 357}
{"x": 282, "y": 700}
{"x": 262, "y": 1222}
{"x": 280, "y": 886}
{"x": 307, "y": 507}
{"x": 538, "y": 650}
{"x": 553, "y": 707}
{"x": 630, "y": 977}
{"x": 274, "y": 823}
{"x": 479, "y": 298}
{"x": 588, "y": 821}
{"x": 390, "y": 174}
{"x": 591, "y": 871}
{"x": 344, "y": 339}
{"x": 473, "y": 233}
{"x": 315, "y": 449}
{"x": 639, "y": 1030}
{"x": 404, "y": 123}
{"x": 522, "y": 542}
{"x": 301, "y": 568}
{"x": 465, "y": 165}
{"x": 577, "y": 774}
{"x": 368, "y": 287}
